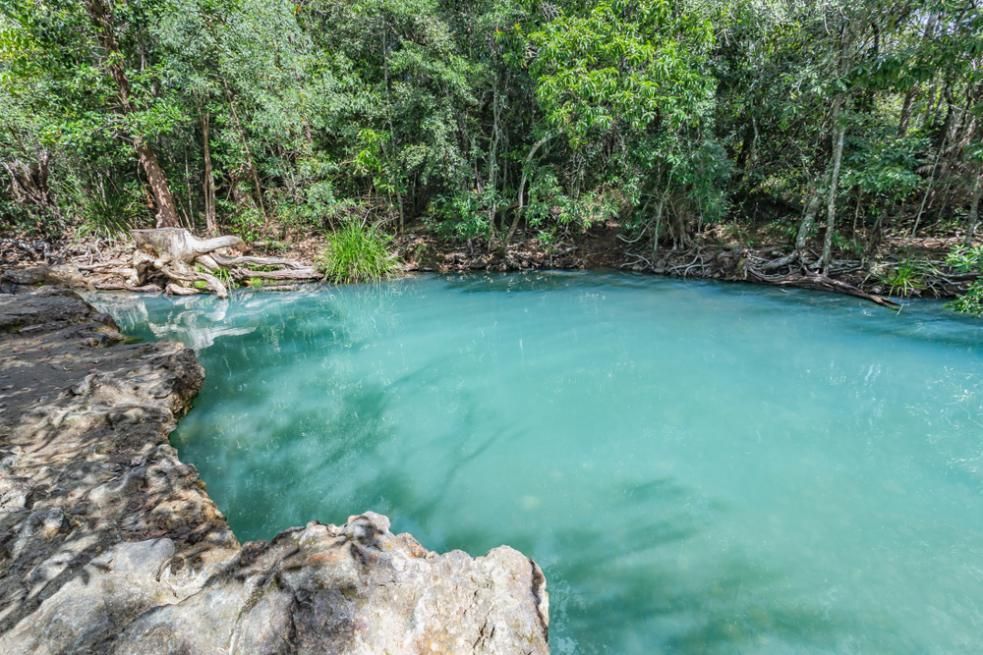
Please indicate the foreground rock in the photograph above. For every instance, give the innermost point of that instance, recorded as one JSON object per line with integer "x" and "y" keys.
{"x": 109, "y": 544}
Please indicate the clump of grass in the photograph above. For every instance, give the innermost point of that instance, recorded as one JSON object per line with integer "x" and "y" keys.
{"x": 223, "y": 274}
{"x": 904, "y": 280}
{"x": 357, "y": 253}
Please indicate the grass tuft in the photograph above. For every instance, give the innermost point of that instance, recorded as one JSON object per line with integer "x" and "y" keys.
{"x": 357, "y": 253}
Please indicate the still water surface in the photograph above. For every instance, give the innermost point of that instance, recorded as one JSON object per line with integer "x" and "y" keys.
{"x": 699, "y": 468}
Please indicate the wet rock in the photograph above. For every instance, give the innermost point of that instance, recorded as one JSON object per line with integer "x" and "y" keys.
{"x": 109, "y": 543}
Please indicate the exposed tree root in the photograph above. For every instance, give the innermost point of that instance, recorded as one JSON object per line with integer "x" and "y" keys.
{"x": 186, "y": 265}
{"x": 805, "y": 277}
{"x": 821, "y": 283}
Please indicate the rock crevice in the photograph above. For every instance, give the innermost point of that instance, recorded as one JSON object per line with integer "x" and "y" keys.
{"x": 110, "y": 544}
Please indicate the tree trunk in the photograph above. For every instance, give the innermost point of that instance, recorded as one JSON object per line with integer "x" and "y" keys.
{"x": 839, "y": 133}
{"x": 29, "y": 182}
{"x": 211, "y": 225}
{"x": 808, "y": 220}
{"x": 250, "y": 162}
{"x": 906, "y": 109}
{"x": 159, "y": 189}
{"x": 974, "y": 209}
{"x": 101, "y": 16}
{"x": 522, "y": 188}
{"x": 493, "y": 165}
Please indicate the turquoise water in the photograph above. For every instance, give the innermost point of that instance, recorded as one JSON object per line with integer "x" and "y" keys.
{"x": 699, "y": 468}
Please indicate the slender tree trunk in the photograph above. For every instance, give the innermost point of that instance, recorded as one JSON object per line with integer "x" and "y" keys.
{"x": 906, "y": 109}
{"x": 808, "y": 220}
{"x": 250, "y": 162}
{"x": 912, "y": 94}
{"x": 659, "y": 210}
{"x": 101, "y": 16}
{"x": 522, "y": 188}
{"x": 208, "y": 183}
{"x": 928, "y": 189}
{"x": 973, "y": 219}
{"x": 839, "y": 133}
{"x": 389, "y": 121}
{"x": 493, "y": 164}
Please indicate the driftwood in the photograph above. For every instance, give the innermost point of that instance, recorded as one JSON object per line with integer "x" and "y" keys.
{"x": 189, "y": 265}
{"x": 302, "y": 273}
{"x": 822, "y": 283}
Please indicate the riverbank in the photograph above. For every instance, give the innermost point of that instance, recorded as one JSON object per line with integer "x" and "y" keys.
{"x": 899, "y": 266}
{"x": 112, "y": 545}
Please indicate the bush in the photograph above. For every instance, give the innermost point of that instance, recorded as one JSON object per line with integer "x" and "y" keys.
{"x": 970, "y": 302}
{"x": 461, "y": 216}
{"x": 968, "y": 260}
{"x": 247, "y": 224}
{"x": 357, "y": 253}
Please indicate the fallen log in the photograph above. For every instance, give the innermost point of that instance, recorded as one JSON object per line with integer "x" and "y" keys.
{"x": 307, "y": 273}
{"x": 822, "y": 283}
{"x": 229, "y": 262}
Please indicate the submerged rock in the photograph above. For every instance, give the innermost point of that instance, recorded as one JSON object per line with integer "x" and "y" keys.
{"x": 110, "y": 544}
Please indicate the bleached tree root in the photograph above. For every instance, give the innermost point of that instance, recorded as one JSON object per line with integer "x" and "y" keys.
{"x": 187, "y": 265}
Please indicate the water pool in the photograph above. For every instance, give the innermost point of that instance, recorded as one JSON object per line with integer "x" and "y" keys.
{"x": 699, "y": 468}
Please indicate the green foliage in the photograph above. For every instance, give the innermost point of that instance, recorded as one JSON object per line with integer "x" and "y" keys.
{"x": 111, "y": 214}
{"x": 851, "y": 245}
{"x": 624, "y": 65}
{"x": 634, "y": 111}
{"x": 460, "y": 216}
{"x": 965, "y": 259}
{"x": 246, "y": 223}
{"x": 357, "y": 253}
{"x": 885, "y": 169}
{"x": 224, "y": 276}
{"x": 904, "y": 280}
{"x": 970, "y": 302}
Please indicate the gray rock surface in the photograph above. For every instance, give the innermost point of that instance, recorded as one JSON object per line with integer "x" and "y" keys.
{"x": 110, "y": 544}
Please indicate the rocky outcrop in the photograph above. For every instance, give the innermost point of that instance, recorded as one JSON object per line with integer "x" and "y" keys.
{"x": 110, "y": 544}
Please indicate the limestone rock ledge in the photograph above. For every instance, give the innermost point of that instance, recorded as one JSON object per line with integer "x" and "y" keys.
{"x": 110, "y": 544}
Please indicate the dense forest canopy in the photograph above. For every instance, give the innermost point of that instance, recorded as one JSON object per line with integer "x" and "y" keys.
{"x": 481, "y": 118}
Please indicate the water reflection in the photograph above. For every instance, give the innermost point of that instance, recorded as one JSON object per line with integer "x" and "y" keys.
{"x": 191, "y": 321}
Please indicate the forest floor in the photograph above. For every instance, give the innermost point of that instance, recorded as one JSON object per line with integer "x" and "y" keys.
{"x": 726, "y": 252}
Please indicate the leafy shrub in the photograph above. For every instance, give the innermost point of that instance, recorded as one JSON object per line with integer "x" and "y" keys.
{"x": 968, "y": 260}
{"x": 247, "y": 224}
{"x": 970, "y": 302}
{"x": 461, "y": 216}
{"x": 357, "y": 253}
